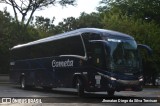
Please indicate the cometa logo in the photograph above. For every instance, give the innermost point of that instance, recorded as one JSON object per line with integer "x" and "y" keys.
{"x": 67, "y": 63}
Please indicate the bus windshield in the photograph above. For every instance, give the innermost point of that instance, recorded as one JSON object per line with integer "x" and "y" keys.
{"x": 123, "y": 52}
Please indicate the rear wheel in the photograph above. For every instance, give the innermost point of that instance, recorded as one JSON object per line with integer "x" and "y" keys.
{"x": 80, "y": 87}
{"x": 23, "y": 82}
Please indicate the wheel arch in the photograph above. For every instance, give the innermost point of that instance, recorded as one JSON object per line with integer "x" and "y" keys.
{"x": 21, "y": 76}
{"x": 78, "y": 76}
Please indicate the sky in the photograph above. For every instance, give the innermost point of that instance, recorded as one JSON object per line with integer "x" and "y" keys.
{"x": 60, "y": 12}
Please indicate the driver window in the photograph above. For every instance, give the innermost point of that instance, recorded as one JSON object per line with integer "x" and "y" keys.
{"x": 98, "y": 57}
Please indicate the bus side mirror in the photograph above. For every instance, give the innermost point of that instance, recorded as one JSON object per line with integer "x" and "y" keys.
{"x": 142, "y": 46}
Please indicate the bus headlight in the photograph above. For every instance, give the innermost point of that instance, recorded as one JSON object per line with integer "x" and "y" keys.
{"x": 141, "y": 79}
{"x": 112, "y": 78}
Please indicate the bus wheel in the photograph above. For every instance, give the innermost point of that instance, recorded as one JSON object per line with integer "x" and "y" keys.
{"x": 80, "y": 88}
{"x": 24, "y": 86}
{"x": 111, "y": 92}
{"x": 23, "y": 83}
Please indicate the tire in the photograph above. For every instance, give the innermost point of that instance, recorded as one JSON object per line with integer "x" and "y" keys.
{"x": 111, "y": 92}
{"x": 79, "y": 87}
{"x": 23, "y": 83}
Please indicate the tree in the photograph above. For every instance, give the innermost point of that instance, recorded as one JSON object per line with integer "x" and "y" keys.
{"x": 4, "y": 44}
{"x": 28, "y": 7}
{"x": 44, "y": 26}
{"x": 147, "y": 10}
{"x": 89, "y": 20}
{"x": 10, "y": 36}
{"x": 67, "y": 24}
{"x": 84, "y": 20}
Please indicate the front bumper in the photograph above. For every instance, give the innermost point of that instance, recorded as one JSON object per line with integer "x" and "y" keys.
{"x": 122, "y": 85}
{"x": 116, "y": 85}
{"x": 126, "y": 85}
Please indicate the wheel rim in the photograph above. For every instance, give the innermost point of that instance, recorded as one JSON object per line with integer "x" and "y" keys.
{"x": 23, "y": 83}
{"x": 80, "y": 89}
{"x": 78, "y": 85}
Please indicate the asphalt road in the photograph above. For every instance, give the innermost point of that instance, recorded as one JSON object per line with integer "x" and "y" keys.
{"x": 69, "y": 97}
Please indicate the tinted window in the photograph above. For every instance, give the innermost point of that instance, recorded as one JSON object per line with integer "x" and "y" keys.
{"x": 90, "y": 36}
{"x": 66, "y": 46}
{"x": 98, "y": 55}
{"x": 20, "y": 53}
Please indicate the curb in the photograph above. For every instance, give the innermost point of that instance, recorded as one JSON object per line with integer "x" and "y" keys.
{"x": 5, "y": 82}
{"x": 4, "y": 79}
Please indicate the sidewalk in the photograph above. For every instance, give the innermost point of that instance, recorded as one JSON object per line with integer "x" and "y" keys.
{"x": 4, "y": 79}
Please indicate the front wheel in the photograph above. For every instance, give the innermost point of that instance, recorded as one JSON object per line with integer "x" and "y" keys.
{"x": 80, "y": 87}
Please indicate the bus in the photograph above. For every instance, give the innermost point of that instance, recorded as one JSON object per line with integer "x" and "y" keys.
{"x": 87, "y": 59}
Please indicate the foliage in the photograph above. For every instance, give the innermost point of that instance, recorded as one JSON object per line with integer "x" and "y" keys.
{"x": 90, "y": 20}
{"x": 68, "y": 24}
{"x": 85, "y": 20}
{"x": 28, "y": 7}
{"x": 10, "y": 35}
{"x": 141, "y": 9}
{"x": 44, "y": 26}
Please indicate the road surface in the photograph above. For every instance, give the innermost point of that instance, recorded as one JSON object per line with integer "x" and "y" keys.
{"x": 68, "y": 97}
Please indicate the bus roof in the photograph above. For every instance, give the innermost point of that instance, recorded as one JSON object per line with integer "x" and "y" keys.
{"x": 105, "y": 32}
